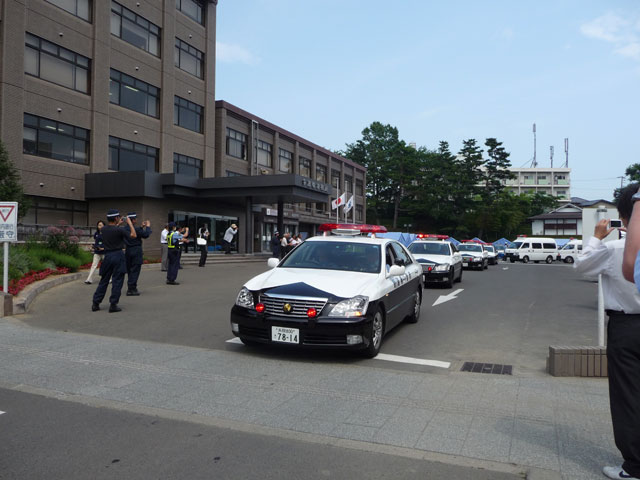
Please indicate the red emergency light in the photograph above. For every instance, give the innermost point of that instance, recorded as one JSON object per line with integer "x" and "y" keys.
{"x": 362, "y": 228}
{"x": 434, "y": 236}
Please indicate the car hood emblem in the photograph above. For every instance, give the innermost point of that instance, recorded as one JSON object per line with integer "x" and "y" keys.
{"x": 287, "y": 308}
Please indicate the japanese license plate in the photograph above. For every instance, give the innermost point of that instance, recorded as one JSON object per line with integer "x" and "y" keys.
{"x": 465, "y": 264}
{"x": 285, "y": 335}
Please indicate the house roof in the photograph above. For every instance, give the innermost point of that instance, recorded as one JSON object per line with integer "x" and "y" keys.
{"x": 557, "y": 215}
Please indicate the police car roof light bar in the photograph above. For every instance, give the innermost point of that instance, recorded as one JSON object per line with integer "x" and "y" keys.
{"x": 361, "y": 228}
{"x": 431, "y": 236}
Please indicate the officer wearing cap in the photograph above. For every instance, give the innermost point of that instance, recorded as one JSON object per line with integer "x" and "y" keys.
{"x": 113, "y": 266}
{"x": 133, "y": 253}
{"x": 173, "y": 249}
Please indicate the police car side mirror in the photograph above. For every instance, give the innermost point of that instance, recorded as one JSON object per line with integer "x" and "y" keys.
{"x": 396, "y": 270}
{"x": 273, "y": 262}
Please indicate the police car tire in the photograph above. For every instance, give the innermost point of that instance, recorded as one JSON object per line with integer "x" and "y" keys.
{"x": 486, "y": 264}
{"x": 417, "y": 303}
{"x": 459, "y": 276}
{"x": 449, "y": 283}
{"x": 373, "y": 348}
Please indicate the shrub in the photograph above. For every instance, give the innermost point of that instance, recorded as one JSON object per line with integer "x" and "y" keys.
{"x": 19, "y": 263}
{"x": 63, "y": 239}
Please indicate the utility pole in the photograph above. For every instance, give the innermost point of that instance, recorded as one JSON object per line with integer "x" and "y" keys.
{"x": 621, "y": 177}
{"x": 566, "y": 153}
{"x": 551, "y": 149}
{"x": 535, "y": 163}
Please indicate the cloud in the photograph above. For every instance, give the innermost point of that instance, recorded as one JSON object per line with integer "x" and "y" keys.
{"x": 623, "y": 33}
{"x": 508, "y": 33}
{"x": 234, "y": 54}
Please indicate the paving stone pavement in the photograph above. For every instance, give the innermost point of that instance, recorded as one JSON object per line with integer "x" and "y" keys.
{"x": 558, "y": 424}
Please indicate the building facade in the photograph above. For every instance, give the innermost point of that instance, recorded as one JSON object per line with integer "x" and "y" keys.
{"x": 552, "y": 181}
{"x": 111, "y": 104}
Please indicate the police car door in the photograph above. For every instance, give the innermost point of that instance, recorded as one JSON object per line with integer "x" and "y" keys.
{"x": 407, "y": 283}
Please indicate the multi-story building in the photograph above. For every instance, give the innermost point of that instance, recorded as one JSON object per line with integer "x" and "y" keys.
{"x": 111, "y": 104}
{"x": 552, "y": 181}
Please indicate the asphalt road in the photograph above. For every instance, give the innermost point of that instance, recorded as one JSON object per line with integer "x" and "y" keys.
{"x": 509, "y": 314}
{"x": 46, "y": 438}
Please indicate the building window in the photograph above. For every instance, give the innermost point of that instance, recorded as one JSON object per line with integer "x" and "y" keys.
{"x": 264, "y": 154}
{"x": 52, "y": 211}
{"x": 187, "y": 114}
{"x": 189, "y": 58}
{"x": 236, "y": 144}
{"x": 47, "y": 138}
{"x": 359, "y": 187}
{"x": 321, "y": 208}
{"x": 348, "y": 183}
{"x": 127, "y": 156}
{"x": 184, "y": 165}
{"x": 234, "y": 174}
{"x": 56, "y": 64}
{"x": 359, "y": 213}
{"x": 304, "y": 167}
{"x": 79, "y": 8}
{"x": 321, "y": 173}
{"x": 135, "y": 29}
{"x": 134, "y": 94}
{"x": 285, "y": 160}
{"x": 335, "y": 178}
{"x": 194, "y": 9}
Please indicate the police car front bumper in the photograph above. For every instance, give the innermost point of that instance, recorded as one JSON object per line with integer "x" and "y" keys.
{"x": 320, "y": 332}
{"x": 472, "y": 262}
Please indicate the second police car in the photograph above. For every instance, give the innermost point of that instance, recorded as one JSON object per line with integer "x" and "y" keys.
{"x": 334, "y": 291}
{"x": 473, "y": 255}
{"x": 441, "y": 262}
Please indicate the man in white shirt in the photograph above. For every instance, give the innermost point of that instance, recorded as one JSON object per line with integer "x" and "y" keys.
{"x": 163, "y": 248}
{"x": 622, "y": 304}
{"x": 228, "y": 237}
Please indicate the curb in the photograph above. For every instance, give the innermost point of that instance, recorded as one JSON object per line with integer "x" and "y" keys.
{"x": 24, "y": 299}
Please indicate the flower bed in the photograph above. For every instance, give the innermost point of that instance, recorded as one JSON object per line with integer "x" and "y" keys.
{"x": 16, "y": 286}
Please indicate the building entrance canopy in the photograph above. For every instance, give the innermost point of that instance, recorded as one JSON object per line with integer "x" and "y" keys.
{"x": 265, "y": 189}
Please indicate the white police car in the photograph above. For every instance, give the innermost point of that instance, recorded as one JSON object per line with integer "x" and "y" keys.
{"x": 334, "y": 291}
{"x": 473, "y": 255}
{"x": 440, "y": 260}
{"x": 492, "y": 255}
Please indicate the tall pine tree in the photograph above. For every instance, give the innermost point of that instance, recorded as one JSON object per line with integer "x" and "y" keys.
{"x": 10, "y": 187}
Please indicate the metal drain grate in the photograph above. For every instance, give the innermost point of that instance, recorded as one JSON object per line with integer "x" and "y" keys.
{"x": 494, "y": 368}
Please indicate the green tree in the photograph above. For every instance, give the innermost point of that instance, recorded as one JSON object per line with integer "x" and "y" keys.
{"x": 10, "y": 187}
{"x": 496, "y": 168}
{"x": 633, "y": 172}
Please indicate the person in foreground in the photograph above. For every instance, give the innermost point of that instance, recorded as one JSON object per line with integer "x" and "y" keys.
{"x": 622, "y": 304}
{"x": 114, "y": 264}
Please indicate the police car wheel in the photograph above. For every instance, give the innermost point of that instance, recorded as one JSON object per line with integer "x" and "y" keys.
{"x": 247, "y": 342}
{"x": 449, "y": 283}
{"x": 377, "y": 331}
{"x": 417, "y": 303}
{"x": 459, "y": 276}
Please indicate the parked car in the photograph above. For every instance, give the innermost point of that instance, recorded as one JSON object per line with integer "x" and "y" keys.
{"x": 473, "y": 255}
{"x": 570, "y": 251}
{"x": 441, "y": 262}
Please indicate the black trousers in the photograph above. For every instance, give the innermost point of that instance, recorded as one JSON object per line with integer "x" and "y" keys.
{"x": 173, "y": 264}
{"x": 134, "y": 259}
{"x": 623, "y": 359}
{"x": 204, "y": 251}
{"x": 113, "y": 268}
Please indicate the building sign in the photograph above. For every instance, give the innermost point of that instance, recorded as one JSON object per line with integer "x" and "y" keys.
{"x": 313, "y": 185}
{"x": 8, "y": 221}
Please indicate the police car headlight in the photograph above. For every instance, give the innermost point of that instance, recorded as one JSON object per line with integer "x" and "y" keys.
{"x": 352, "y": 307}
{"x": 245, "y": 298}
{"x": 442, "y": 268}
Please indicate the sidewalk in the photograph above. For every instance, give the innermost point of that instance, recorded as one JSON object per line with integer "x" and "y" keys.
{"x": 559, "y": 425}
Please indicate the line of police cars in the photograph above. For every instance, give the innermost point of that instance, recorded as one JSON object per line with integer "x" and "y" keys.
{"x": 346, "y": 290}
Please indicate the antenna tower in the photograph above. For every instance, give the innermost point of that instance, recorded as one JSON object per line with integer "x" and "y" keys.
{"x": 534, "y": 164}
{"x": 551, "y": 150}
{"x": 566, "y": 153}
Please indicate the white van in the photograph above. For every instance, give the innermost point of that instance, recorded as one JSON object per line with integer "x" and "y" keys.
{"x": 537, "y": 249}
{"x": 511, "y": 252}
{"x": 570, "y": 251}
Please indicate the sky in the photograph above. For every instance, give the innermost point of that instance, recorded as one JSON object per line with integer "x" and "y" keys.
{"x": 445, "y": 70}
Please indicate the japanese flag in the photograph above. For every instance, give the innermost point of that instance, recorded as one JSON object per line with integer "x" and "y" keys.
{"x": 349, "y": 205}
{"x": 338, "y": 201}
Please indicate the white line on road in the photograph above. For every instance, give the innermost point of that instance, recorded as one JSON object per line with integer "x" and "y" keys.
{"x": 446, "y": 298}
{"x": 389, "y": 358}
{"x": 412, "y": 361}
{"x": 1, "y": 412}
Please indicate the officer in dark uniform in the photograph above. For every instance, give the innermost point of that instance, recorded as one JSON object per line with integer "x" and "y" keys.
{"x": 133, "y": 253}
{"x": 113, "y": 266}
{"x": 174, "y": 238}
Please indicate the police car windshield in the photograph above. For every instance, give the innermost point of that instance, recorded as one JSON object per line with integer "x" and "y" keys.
{"x": 344, "y": 256}
{"x": 426, "y": 248}
{"x": 469, "y": 248}
{"x": 490, "y": 248}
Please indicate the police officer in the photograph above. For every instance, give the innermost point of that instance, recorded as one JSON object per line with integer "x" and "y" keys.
{"x": 174, "y": 239}
{"x": 133, "y": 253}
{"x": 113, "y": 266}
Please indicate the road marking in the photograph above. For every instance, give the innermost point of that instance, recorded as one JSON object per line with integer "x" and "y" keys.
{"x": 388, "y": 358}
{"x": 505, "y": 268}
{"x": 412, "y": 361}
{"x": 446, "y": 298}
{"x": 1, "y": 412}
